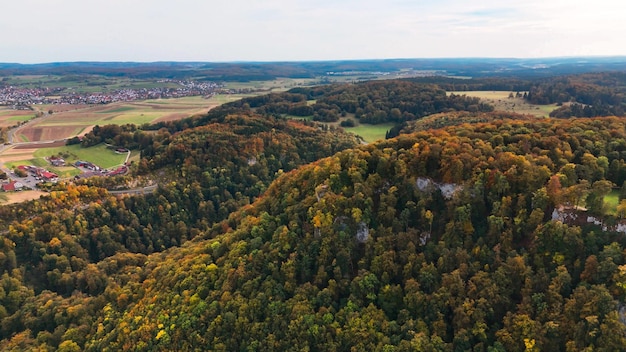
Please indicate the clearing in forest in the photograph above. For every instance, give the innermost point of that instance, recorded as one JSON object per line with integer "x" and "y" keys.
{"x": 502, "y": 101}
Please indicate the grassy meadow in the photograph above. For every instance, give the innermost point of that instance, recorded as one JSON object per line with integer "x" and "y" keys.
{"x": 370, "y": 133}
{"x": 99, "y": 154}
{"x": 501, "y": 101}
{"x": 612, "y": 201}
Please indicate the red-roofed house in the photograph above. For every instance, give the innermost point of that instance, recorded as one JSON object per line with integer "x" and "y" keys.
{"x": 12, "y": 186}
{"x": 50, "y": 176}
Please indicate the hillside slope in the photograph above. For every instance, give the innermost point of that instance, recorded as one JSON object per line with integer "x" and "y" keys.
{"x": 439, "y": 240}
{"x": 61, "y": 256}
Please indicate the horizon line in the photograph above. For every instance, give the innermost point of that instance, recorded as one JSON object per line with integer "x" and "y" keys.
{"x": 318, "y": 60}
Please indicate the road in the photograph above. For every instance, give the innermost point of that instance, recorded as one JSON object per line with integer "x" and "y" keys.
{"x": 135, "y": 191}
{"x": 13, "y": 131}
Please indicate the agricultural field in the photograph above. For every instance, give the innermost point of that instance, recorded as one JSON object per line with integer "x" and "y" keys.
{"x": 64, "y": 122}
{"x": 277, "y": 85}
{"x": 10, "y": 117}
{"x": 18, "y": 155}
{"x": 501, "y": 101}
{"x": 220, "y": 99}
{"x": 85, "y": 83}
{"x": 284, "y": 84}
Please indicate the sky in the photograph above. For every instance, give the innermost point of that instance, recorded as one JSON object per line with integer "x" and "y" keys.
{"x": 39, "y": 31}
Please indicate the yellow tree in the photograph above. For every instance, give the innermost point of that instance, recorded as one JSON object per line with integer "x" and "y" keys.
{"x": 621, "y": 209}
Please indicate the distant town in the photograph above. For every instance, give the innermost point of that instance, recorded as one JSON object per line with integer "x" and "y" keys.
{"x": 22, "y": 98}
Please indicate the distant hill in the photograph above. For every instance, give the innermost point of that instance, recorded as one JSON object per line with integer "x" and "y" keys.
{"x": 371, "y": 102}
{"x": 245, "y": 71}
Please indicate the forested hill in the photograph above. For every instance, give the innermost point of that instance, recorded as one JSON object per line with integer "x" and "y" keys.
{"x": 371, "y": 102}
{"x": 62, "y": 256}
{"x": 250, "y": 71}
{"x": 439, "y": 240}
{"x": 580, "y": 95}
{"x": 592, "y": 94}
{"x": 454, "y": 118}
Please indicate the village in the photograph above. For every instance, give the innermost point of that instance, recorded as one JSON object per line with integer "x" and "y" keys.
{"x": 21, "y": 98}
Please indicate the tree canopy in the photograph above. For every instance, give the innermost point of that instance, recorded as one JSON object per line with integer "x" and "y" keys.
{"x": 274, "y": 234}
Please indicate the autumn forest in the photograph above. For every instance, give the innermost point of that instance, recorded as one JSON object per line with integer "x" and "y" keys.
{"x": 275, "y": 229}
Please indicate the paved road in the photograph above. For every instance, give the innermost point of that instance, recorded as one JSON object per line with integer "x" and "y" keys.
{"x": 135, "y": 191}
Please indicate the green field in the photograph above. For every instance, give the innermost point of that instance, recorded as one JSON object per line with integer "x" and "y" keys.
{"x": 120, "y": 109}
{"x": 132, "y": 118}
{"x": 371, "y": 133}
{"x": 69, "y": 122}
{"x": 21, "y": 118}
{"x": 10, "y": 117}
{"x": 277, "y": 85}
{"x": 501, "y": 101}
{"x": 86, "y": 83}
{"x": 98, "y": 155}
{"x": 63, "y": 172}
{"x": 611, "y": 201}
{"x": 220, "y": 99}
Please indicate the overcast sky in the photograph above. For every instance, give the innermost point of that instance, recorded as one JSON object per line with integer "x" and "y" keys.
{"x": 35, "y": 31}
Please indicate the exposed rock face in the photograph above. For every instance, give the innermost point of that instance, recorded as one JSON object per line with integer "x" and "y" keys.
{"x": 362, "y": 232}
{"x": 448, "y": 190}
{"x": 564, "y": 215}
{"x": 578, "y": 216}
{"x": 424, "y": 237}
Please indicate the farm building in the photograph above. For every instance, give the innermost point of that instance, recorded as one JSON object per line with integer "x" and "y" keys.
{"x": 56, "y": 161}
{"x": 25, "y": 167}
{"x": 119, "y": 171}
{"x": 48, "y": 176}
{"x": 12, "y": 186}
{"x": 87, "y": 165}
